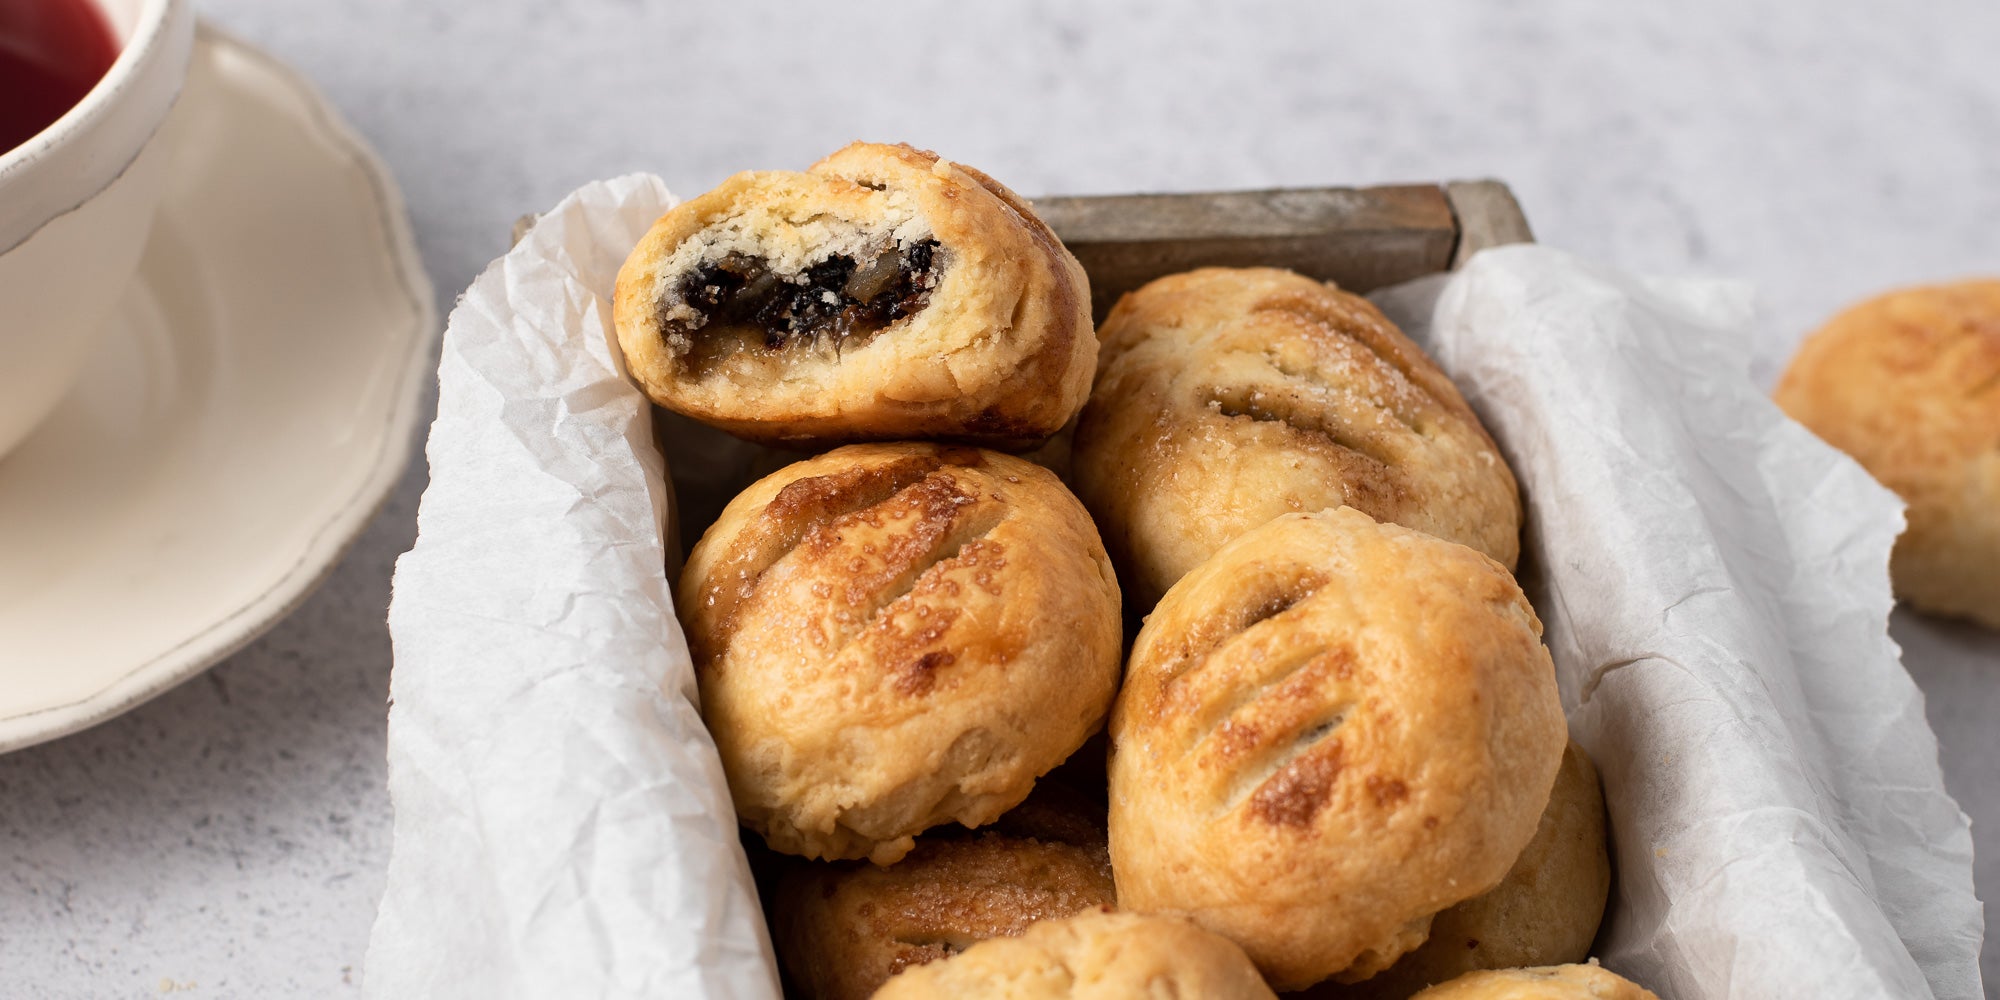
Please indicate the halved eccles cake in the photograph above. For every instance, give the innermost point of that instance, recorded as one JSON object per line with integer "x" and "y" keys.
{"x": 883, "y": 294}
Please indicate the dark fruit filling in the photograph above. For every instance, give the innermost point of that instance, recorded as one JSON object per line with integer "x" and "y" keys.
{"x": 742, "y": 304}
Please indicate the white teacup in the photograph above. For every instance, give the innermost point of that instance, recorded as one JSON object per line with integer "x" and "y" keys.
{"x": 76, "y": 204}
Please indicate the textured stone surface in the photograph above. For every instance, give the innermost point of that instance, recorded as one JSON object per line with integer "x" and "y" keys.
{"x": 228, "y": 839}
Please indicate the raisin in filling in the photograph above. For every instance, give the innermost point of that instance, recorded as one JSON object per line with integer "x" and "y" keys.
{"x": 741, "y": 305}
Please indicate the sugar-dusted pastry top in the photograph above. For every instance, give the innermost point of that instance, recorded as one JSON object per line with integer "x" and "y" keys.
{"x": 1226, "y": 397}
{"x": 1329, "y": 732}
{"x": 883, "y": 293}
{"x": 888, "y": 637}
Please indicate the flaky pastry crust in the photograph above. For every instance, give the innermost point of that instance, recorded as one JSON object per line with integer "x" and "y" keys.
{"x": 843, "y": 929}
{"x": 892, "y": 636}
{"x": 1909, "y": 384}
{"x": 1544, "y": 912}
{"x": 1095, "y": 955}
{"x": 884, "y": 293}
{"x": 1560, "y": 982}
{"x": 1329, "y": 732}
{"x": 1228, "y": 396}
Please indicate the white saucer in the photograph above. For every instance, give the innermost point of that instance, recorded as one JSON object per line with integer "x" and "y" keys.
{"x": 239, "y": 426}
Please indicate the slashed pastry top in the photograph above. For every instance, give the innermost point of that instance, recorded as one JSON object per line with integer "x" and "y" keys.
{"x": 1329, "y": 732}
{"x": 891, "y": 636}
{"x": 1226, "y": 397}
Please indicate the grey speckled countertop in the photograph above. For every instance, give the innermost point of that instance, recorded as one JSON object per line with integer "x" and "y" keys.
{"x": 229, "y": 838}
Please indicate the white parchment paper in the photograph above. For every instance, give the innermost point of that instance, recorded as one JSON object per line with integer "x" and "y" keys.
{"x": 562, "y": 827}
{"x": 1713, "y": 580}
{"x": 1714, "y": 584}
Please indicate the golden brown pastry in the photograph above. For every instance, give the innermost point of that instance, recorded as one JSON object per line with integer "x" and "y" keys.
{"x": 1560, "y": 982}
{"x": 884, "y": 293}
{"x": 1545, "y": 912}
{"x": 892, "y": 636}
{"x": 1909, "y": 384}
{"x": 1095, "y": 955}
{"x": 1329, "y": 732}
{"x": 1226, "y": 397}
{"x": 843, "y": 929}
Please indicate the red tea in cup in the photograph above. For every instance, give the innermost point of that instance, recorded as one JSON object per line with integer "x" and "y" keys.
{"x": 51, "y": 53}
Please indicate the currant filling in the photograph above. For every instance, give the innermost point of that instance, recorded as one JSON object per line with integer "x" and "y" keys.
{"x": 740, "y": 304}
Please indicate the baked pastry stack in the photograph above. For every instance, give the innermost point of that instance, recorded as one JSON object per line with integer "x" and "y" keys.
{"x": 907, "y": 631}
{"x": 1338, "y": 735}
{"x": 1338, "y": 732}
